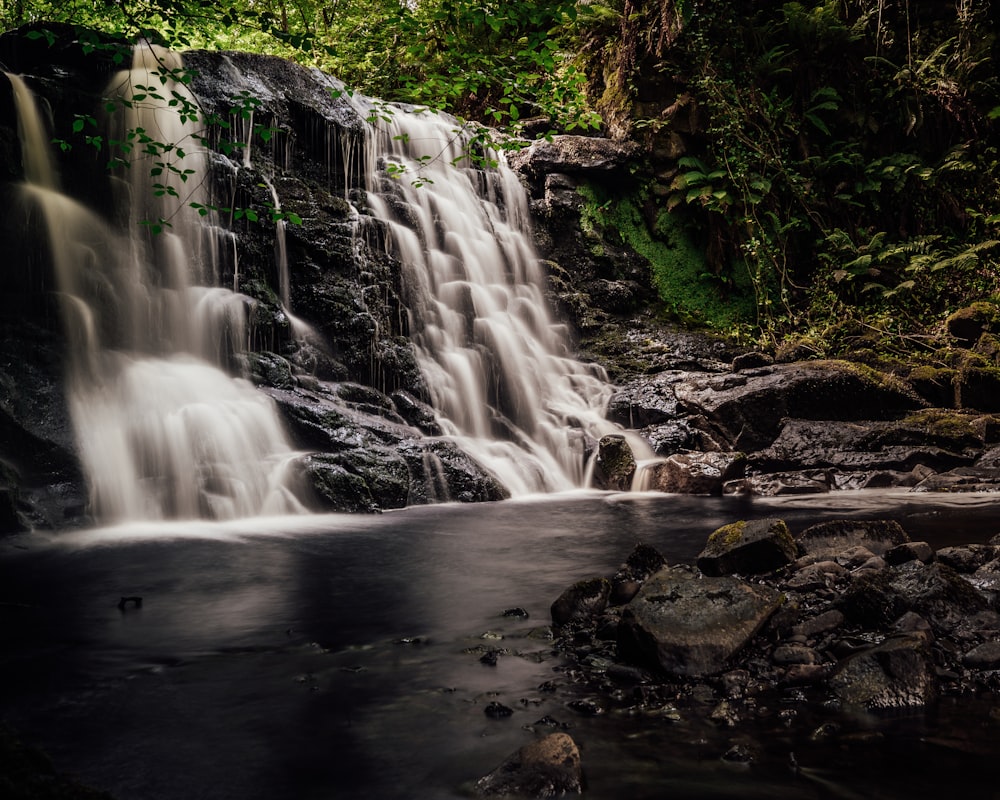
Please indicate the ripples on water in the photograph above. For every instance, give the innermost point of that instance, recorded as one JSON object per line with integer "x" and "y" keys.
{"x": 327, "y": 656}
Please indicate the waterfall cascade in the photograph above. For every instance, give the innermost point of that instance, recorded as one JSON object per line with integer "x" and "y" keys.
{"x": 497, "y": 365}
{"x": 163, "y": 430}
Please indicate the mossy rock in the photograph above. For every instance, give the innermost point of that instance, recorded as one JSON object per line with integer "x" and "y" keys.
{"x": 978, "y": 388}
{"x": 748, "y": 548}
{"x": 969, "y": 323}
{"x": 935, "y": 384}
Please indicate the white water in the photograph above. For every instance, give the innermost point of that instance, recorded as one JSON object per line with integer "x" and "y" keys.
{"x": 497, "y": 365}
{"x": 163, "y": 430}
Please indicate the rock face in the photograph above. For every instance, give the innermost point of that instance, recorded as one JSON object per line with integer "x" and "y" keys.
{"x": 684, "y": 625}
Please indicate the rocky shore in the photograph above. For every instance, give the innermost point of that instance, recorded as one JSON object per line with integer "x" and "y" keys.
{"x": 770, "y": 627}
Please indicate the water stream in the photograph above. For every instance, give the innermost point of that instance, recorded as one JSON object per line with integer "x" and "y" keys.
{"x": 164, "y": 429}
{"x": 497, "y": 364}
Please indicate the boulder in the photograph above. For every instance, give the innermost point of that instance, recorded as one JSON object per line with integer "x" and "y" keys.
{"x": 751, "y": 405}
{"x": 685, "y": 624}
{"x": 830, "y": 539}
{"x": 896, "y": 674}
{"x": 693, "y": 473}
{"x": 576, "y": 155}
{"x": 642, "y": 562}
{"x": 548, "y": 767}
{"x": 748, "y": 548}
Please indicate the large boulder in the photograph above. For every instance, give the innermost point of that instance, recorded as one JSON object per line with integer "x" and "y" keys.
{"x": 615, "y": 464}
{"x": 684, "y": 624}
{"x": 934, "y": 591}
{"x": 752, "y": 405}
{"x": 573, "y": 155}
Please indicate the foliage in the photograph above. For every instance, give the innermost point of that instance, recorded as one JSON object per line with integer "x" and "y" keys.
{"x": 843, "y": 153}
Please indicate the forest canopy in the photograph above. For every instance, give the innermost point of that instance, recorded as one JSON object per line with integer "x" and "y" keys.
{"x": 834, "y": 163}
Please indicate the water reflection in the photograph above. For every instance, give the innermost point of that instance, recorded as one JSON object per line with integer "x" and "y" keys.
{"x": 337, "y": 656}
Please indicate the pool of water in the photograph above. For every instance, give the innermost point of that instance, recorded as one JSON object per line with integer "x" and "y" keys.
{"x": 338, "y": 656}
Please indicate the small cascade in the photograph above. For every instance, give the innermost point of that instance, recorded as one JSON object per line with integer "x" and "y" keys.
{"x": 496, "y": 364}
{"x": 163, "y": 430}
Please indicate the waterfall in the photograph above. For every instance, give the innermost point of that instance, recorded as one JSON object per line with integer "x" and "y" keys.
{"x": 163, "y": 430}
{"x": 497, "y": 365}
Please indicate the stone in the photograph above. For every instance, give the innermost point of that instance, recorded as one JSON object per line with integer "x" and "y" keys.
{"x": 572, "y": 155}
{"x": 548, "y": 767}
{"x": 896, "y": 674}
{"x": 909, "y": 551}
{"x": 615, "y": 464}
{"x": 683, "y": 624}
{"x": 748, "y": 548}
{"x": 642, "y": 562}
{"x": 822, "y": 623}
{"x": 984, "y": 656}
{"x": 794, "y": 654}
{"x": 693, "y": 473}
{"x": 934, "y": 591}
{"x": 820, "y": 575}
{"x": 834, "y": 537}
{"x": 967, "y": 558}
{"x": 583, "y": 600}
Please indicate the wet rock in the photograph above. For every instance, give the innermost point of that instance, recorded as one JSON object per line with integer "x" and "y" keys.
{"x": 810, "y": 578}
{"x": 615, "y": 464}
{"x": 583, "y": 600}
{"x": 693, "y": 473}
{"x": 751, "y": 406}
{"x": 896, "y": 674}
{"x": 795, "y": 654}
{"x": 829, "y": 539}
{"x": 966, "y": 558}
{"x": 686, "y": 625}
{"x": 642, "y": 562}
{"x": 822, "y": 623}
{"x": 572, "y": 155}
{"x": 748, "y": 548}
{"x": 497, "y": 710}
{"x": 933, "y": 591}
{"x": 780, "y": 484}
{"x": 909, "y": 551}
{"x": 548, "y": 767}
{"x": 984, "y": 656}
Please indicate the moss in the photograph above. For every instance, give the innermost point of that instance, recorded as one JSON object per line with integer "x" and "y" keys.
{"x": 728, "y": 535}
{"x": 948, "y": 424}
{"x": 679, "y": 271}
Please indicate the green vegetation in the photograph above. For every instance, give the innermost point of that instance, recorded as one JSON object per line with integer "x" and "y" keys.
{"x": 823, "y": 170}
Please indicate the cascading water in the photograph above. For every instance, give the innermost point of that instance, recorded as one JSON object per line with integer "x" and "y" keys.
{"x": 497, "y": 366}
{"x": 163, "y": 430}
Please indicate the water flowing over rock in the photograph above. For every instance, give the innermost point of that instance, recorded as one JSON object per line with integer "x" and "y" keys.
{"x": 181, "y": 283}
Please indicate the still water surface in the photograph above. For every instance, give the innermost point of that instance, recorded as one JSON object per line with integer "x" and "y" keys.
{"x": 334, "y": 656}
